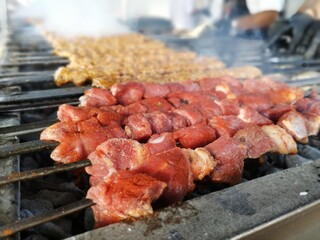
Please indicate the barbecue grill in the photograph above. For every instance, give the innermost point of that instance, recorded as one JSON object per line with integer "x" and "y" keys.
{"x": 269, "y": 200}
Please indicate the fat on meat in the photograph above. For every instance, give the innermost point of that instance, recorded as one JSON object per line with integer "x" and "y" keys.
{"x": 202, "y": 162}
{"x": 256, "y": 140}
{"x": 229, "y": 154}
{"x": 295, "y": 124}
{"x": 160, "y": 143}
{"x": 124, "y": 195}
{"x": 275, "y": 112}
{"x": 284, "y": 143}
{"x": 252, "y": 116}
{"x": 312, "y": 123}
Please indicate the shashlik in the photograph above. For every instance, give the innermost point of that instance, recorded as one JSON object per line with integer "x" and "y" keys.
{"x": 176, "y": 134}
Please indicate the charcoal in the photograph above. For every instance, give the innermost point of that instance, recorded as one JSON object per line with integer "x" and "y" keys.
{"x": 295, "y": 160}
{"x": 277, "y": 160}
{"x": 272, "y": 170}
{"x": 36, "y": 237}
{"x": 314, "y": 142}
{"x": 308, "y": 152}
{"x": 36, "y": 206}
{"x": 25, "y": 213}
{"x": 88, "y": 219}
{"x": 64, "y": 223}
{"x": 52, "y": 231}
{"x": 28, "y": 163}
{"x": 56, "y": 198}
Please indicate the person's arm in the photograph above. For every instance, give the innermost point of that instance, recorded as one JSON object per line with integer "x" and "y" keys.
{"x": 254, "y": 21}
{"x": 312, "y": 8}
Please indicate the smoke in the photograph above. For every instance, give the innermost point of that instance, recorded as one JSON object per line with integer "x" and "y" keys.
{"x": 71, "y": 18}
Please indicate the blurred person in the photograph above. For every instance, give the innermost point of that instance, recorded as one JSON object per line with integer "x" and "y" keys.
{"x": 299, "y": 34}
{"x": 244, "y": 17}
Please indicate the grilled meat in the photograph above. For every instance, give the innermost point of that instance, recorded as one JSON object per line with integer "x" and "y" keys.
{"x": 178, "y": 134}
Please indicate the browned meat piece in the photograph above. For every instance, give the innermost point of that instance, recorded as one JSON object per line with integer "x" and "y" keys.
{"x": 279, "y": 92}
{"x": 68, "y": 113}
{"x": 195, "y": 136}
{"x": 256, "y": 140}
{"x": 192, "y": 115}
{"x": 124, "y": 195}
{"x": 256, "y": 101}
{"x": 229, "y": 155}
{"x": 156, "y": 104}
{"x": 295, "y": 124}
{"x": 160, "y": 143}
{"x": 128, "y": 93}
{"x": 78, "y": 140}
{"x": 138, "y": 127}
{"x": 227, "y": 125}
{"x": 114, "y": 155}
{"x": 229, "y": 106}
{"x": 308, "y": 105}
{"x": 97, "y": 97}
{"x": 284, "y": 143}
{"x": 173, "y": 168}
{"x": 155, "y": 90}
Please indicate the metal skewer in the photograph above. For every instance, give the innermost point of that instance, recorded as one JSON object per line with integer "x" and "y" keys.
{"x": 26, "y": 223}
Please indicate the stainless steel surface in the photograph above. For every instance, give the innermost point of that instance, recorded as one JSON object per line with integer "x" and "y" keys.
{"x": 302, "y": 223}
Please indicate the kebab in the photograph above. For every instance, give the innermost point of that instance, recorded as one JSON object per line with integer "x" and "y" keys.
{"x": 213, "y": 147}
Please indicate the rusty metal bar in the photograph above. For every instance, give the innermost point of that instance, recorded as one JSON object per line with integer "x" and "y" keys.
{"x": 25, "y": 128}
{"x": 24, "y": 224}
{"x": 37, "y": 105}
{"x": 27, "y": 147}
{"x": 27, "y": 175}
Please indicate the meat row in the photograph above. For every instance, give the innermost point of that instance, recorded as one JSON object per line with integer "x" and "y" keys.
{"x": 150, "y": 143}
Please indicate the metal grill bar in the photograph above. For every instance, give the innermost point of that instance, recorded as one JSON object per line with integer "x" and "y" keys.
{"x": 43, "y": 94}
{"x": 24, "y": 128}
{"x": 32, "y": 63}
{"x": 27, "y": 175}
{"x": 24, "y": 224}
{"x": 27, "y": 147}
{"x": 19, "y": 80}
{"x": 33, "y": 73}
{"x": 36, "y": 106}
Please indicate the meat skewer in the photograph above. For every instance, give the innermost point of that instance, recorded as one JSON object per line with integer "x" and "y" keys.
{"x": 177, "y": 134}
